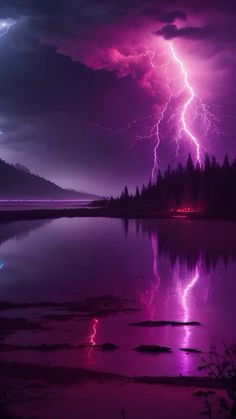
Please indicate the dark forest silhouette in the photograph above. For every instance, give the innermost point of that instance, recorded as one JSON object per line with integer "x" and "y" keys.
{"x": 210, "y": 189}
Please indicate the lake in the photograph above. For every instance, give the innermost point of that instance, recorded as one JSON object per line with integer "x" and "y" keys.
{"x": 133, "y": 271}
{"x": 29, "y": 204}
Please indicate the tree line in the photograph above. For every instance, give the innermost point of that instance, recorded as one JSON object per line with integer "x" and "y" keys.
{"x": 209, "y": 188}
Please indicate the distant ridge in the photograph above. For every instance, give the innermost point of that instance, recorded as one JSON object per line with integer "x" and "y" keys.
{"x": 17, "y": 182}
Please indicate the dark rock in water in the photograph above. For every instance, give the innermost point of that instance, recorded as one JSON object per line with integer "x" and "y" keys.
{"x": 47, "y": 347}
{"x": 153, "y": 349}
{"x": 190, "y": 350}
{"x": 182, "y": 381}
{"x": 151, "y": 323}
{"x": 6, "y": 347}
{"x": 53, "y": 375}
{"x": 108, "y": 346}
{"x": 104, "y": 347}
{"x": 201, "y": 393}
{"x": 9, "y": 326}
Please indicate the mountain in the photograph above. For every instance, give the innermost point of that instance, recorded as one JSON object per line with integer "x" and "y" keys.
{"x": 17, "y": 182}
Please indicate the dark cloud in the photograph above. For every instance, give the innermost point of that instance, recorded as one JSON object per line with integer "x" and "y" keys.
{"x": 31, "y": 8}
{"x": 171, "y": 31}
{"x": 172, "y": 16}
{"x": 215, "y": 33}
{"x": 165, "y": 16}
{"x": 70, "y": 18}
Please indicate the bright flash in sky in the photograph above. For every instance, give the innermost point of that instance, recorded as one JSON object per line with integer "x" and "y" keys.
{"x": 5, "y": 25}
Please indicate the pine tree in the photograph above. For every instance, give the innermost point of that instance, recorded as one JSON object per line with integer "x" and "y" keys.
{"x": 126, "y": 193}
{"x": 226, "y": 164}
{"x": 207, "y": 163}
{"x": 189, "y": 165}
{"x": 137, "y": 193}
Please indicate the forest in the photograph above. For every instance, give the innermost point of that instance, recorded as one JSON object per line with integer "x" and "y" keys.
{"x": 209, "y": 188}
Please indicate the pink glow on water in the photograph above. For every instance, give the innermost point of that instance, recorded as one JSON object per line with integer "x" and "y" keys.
{"x": 185, "y": 280}
{"x": 186, "y": 302}
{"x": 187, "y": 292}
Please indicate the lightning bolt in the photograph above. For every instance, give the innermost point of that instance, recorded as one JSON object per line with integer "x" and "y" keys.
{"x": 92, "y": 337}
{"x": 177, "y": 117}
{"x": 4, "y": 27}
{"x": 158, "y": 140}
{"x": 187, "y": 104}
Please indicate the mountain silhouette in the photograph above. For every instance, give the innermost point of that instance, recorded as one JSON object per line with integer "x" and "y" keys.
{"x": 18, "y": 183}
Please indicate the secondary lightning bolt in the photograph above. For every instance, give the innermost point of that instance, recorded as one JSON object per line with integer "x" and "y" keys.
{"x": 5, "y": 26}
{"x": 158, "y": 139}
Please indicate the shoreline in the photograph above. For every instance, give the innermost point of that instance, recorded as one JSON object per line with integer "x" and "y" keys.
{"x": 64, "y": 393}
{"x": 43, "y": 214}
{"x": 62, "y": 375}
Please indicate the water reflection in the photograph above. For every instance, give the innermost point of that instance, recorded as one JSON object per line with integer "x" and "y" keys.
{"x": 186, "y": 286}
{"x": 187, "y": 241}
{"x": 186, "y": 295}
{"x": 168, "y": 269}
{"x": 19, "y": 229}
{"x": 149, "y": 297}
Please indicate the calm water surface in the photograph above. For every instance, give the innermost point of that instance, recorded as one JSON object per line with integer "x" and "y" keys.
{"x": 29, "y": 204}
{"x": 166, "y": 269}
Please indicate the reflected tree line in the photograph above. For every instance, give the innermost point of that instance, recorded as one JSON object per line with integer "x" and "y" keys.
{"x": 188, "y": 241}
{"x": 209, "y": 189}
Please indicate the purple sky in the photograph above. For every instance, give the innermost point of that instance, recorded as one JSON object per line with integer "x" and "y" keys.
{"x": 68, "y": 67}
